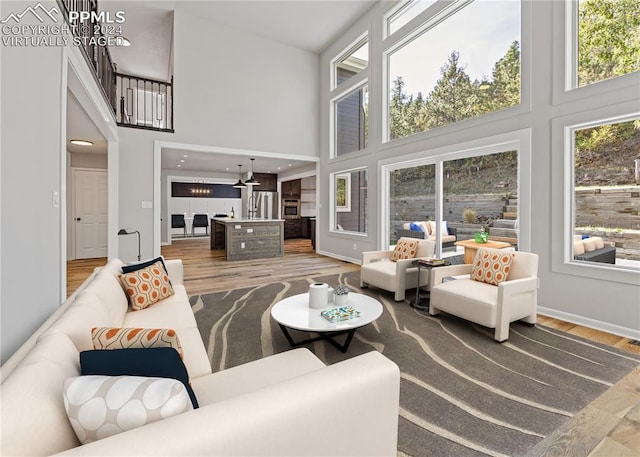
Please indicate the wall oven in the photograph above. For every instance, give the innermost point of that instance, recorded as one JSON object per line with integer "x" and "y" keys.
{"x": 290, "y": 209}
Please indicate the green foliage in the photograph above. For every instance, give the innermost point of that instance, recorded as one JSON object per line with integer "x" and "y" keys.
{"x": 608, "y": 39}
{"x": 454, "y": 98}
{"x": 504, "y": 91}
{"x": 609, "y": 46}
{"x": 594, "y": 146}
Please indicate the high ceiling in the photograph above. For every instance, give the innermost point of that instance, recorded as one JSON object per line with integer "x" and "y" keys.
{"x": 305, "y": 24}
{"x": 179, "y": 159}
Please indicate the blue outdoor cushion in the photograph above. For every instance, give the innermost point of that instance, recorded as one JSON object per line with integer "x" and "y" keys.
{"x": 416, "y": 227}
{"x": 163, "y": 362}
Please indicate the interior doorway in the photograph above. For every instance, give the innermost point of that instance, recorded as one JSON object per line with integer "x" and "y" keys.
{"x": 90, "y": 213}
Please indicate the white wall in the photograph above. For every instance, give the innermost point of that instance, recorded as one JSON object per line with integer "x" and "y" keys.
{"x": 233, "y": 90}
{"x": 578, "y": 297}
{"x": 238, "y": 90}
{"x": 88, "y": 160}
{"x": 31, "y": 144}
{"x": 135, "y": 186}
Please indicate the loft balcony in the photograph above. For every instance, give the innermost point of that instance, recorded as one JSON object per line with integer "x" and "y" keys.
{"x": 135, "y": 101}
{"x": 144, "y": 103}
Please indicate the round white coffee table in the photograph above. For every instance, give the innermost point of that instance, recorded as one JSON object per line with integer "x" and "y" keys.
{"x": 294, "y": 313}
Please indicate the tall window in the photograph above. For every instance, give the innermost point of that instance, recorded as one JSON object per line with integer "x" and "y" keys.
{"x": 606, "y": 198}
{"x": 608, "y": 39}
{"x": 350, "y": 201}
{"x": 457, "y": 68}
{"x": 479, "y": 193}
{"x": 351, "y": 117}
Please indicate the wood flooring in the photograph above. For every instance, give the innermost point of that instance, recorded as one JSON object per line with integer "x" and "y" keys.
{"x": 608, "y": 427}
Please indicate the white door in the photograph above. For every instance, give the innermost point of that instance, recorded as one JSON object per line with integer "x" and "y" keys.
{"x": 90, "y": 213}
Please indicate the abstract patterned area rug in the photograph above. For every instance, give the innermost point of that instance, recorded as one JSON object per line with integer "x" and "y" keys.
{"x": 461, "y": 394}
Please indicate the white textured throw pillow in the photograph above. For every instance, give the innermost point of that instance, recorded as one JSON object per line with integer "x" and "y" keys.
{"x": 101, "y": 406}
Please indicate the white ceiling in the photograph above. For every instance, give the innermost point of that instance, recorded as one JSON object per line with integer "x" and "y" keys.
{"x": 81, "y": 127}
{"x": 216, "y": 162}
{"x": 305, "y": 24}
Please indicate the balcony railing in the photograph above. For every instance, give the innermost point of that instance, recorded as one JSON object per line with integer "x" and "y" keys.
{"x": 135, "y": 101}
{"x": 97, "y": 56}
{"x": 144, "y": 103}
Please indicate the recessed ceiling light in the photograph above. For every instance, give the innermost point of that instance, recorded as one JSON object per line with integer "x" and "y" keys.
{"x": 179, "y": 165}
{"x": 185, "y": 156}
{"x": 278, "y": 168}
{"x": 122, "y": 41}
{"x": 81, "y": 142}
{"x": 227, "y": 168}
{"x": 289, "y": 164}
{"x": 181, "y": 160}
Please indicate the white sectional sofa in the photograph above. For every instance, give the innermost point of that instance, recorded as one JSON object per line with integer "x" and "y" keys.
{"x": 286, "y": 404}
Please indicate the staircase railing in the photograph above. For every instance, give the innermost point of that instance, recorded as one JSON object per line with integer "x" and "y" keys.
{"x": 144, "y": 103}
{"x": 96, "y": 55}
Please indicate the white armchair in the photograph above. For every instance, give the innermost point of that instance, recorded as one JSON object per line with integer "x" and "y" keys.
{"x": 485, "y": 304}
{"x": 379, "y": 270}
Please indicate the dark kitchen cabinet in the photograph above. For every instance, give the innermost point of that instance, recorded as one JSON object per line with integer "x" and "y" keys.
{"x": 291, "y": 188}
{"x": 292, "y": 228}
{"x": 268, "y": 182}
{"x": 304, "y": 229}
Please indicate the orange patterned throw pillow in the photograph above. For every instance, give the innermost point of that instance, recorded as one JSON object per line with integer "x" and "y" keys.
{"x": 123, "y": 338}
{"x": 491, "y": 267}
{"x": 146, "y": 286}
{"x": 405, "y": 249}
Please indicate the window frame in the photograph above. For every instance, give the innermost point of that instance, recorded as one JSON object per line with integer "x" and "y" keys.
{"x": 421, "y": 24}
{"x": 354, "y": 46}
{"x": 563, "y": 210}
{"x": 519, "y": 140}
{"x": 565, "y": 63}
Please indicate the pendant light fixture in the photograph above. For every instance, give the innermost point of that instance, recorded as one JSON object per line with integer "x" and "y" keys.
{"x": 239, "y": 184}
{"x": 252, "y": 181}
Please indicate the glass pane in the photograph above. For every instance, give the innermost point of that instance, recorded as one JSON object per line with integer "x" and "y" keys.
{"x": 608, "y": 39}
{"x": 352, "y": 63}
{"x": 405, "y": 13}
{"x": 465, "y": 66}
{"x": 606, "y": 194}
{"x": 412, "y": 199}
{"x": 480, "y": 195}
{"x": 351, "y": 201}
{"x": 352, "y": 112}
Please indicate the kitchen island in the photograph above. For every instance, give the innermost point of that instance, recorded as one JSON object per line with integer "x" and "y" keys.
{"x": 246, "y": 239}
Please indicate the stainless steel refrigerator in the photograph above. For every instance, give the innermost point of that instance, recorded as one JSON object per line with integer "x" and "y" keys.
{"x": 263, "y": 205}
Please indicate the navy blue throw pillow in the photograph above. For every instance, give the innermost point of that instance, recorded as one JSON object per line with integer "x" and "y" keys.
{"x": 152, "y": 362}
{"x": 145, "y": 264}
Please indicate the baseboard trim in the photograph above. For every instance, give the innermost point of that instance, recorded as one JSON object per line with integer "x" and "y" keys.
{"x": 339, "y": 257}
{"x": 626, "y": 332}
